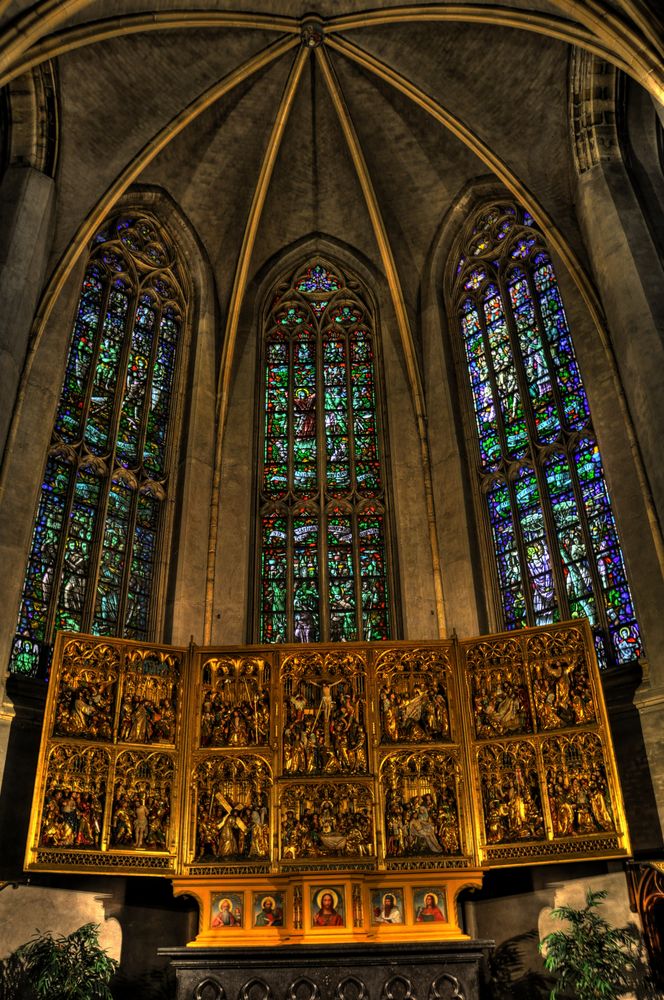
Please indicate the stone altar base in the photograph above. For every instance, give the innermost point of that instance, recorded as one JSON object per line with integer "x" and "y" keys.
{"x": 428, "y": 971}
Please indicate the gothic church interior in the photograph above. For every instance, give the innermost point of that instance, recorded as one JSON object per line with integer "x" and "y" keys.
{"x": 478, "y": 190}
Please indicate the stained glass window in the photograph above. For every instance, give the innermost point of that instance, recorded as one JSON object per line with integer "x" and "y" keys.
{"x": 540, "y": 472}
{"x": 96, "y": 537}
{"x": 323, "y": 535}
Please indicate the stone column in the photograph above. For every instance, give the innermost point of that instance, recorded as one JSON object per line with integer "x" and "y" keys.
{"x": 27, "y": 209}
{"x": 630, "y": 280}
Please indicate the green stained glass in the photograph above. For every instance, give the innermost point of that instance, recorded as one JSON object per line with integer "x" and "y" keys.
{"x": 112, "y": 566}
{"x": 104, "y": 382}
{"x": 320, "y": 444}
{"x": 77, "y": 551}
{"x": 70, "y": 415}
{"x": 554, "y": 536}
{"x": 138, "y": 370}
{"x": 92, "y": 526}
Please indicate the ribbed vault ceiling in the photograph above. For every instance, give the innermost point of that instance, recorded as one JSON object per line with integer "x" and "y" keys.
{"x": 127, "y": 69}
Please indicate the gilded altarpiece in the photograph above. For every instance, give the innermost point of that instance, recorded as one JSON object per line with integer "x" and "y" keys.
{"x": 347, "y": 789}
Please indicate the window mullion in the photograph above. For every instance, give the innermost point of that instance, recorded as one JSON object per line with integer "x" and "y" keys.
{"x": 97, "y": 546}
{"x": 56, "y": 586}
{"x": 500, "y": 425}
{"x": 536, "y": 454}
{"x": 323, "y": 499}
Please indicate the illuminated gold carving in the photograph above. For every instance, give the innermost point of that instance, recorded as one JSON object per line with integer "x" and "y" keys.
{"x": 326, "y": 820}
{"x": 86, "y": 690}
{"x": 577, "y": 783}
{"x": 419, "y": 761}
{"x": 499, "y": 691}
{"x": 324, "y": 708}
{"x": 421, "y": 804}
{"x": 149, "y": 697}
{"x": 236, "y": 702}
{"x": 142, "y": 800}
{"x": 561, "y": 681}
{"x": 412, "y": 692}
{"x": 232, "y": 808}
{"x": 511, "y": 797}
{"x": 74, "y": 799}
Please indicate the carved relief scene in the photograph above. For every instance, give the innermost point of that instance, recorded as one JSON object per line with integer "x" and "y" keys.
{"x": 86, "y": 691}
{"x": 74, "y": 799}
{"x": 235, "y": 710}
{"x": 421, "y": 804}
{"x": 499, "y": 690}
{"x": 511, "y": 798}
{"x": 578, "y": 789}
{"x": 324, "y": 705}
{"x": 231, "y": 808}
{"x": 326, "y": 820}
{"x": 412, "y": 688}
{"x": 148, "y": 709}
{"x": 562, "y": 692}
{"x": 142, "y": 801}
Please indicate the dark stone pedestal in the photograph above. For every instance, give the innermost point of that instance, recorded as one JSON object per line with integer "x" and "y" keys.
{"x": 430, "y": 971}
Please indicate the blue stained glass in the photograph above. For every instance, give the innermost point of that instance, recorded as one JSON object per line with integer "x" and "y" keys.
{"x": 114, "y": 410}
{"x": 104, "y": 382}
{"x": 320, "y": 445}
{"x": 569, "y": 533}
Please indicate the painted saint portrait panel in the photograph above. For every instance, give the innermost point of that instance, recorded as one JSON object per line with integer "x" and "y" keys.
{"x": 227, "y": 909}
{"x": 268, "y": 909}
{"x": 387, "y": 906}
{"x": 327, "y": 906}
{"x": 429, "y": 906}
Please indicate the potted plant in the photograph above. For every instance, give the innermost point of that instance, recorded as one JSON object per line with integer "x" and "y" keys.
{"x": 593, "y": 960}
{"x": 67, "y": 967}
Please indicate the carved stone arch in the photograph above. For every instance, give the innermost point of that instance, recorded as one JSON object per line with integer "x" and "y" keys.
{"x": 397, "y": 987}
{"x": 294, "y": 990}
{"x": 360, "y": 989}
{"x": 349, "y": 258}
{"x": 180, "y": 608}
{"x": 592, "y": 96}
{"x": 255, "y": 989}
{"x": 451, "y": 990}
{"x": 31, "y": 119}
{"x": 209, "y": 989}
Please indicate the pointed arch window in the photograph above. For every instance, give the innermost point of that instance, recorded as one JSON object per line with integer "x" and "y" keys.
{"x": 556, "y": 547}
{"x": 98, "y": 530}
{"x": 323, "y": 570}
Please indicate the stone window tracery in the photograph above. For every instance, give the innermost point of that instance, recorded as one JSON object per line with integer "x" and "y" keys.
{"x": 553, "y": 532}
{"x": 96, "y": 539}
{"x": 323, "y": 570}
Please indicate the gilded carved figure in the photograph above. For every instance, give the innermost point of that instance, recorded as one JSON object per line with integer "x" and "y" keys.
{"x": 561, "y": 689}
{"x": 412, "y": 691}
{"x": 421, "y": 808}
{"x": 324, "y": 711}
{"x": 141, "y": 811}
{"x": 73, "y": 806}
{"x": 511, "y": 796}
{"x": 235, "y": 710}
{"x": 149, "y": 699}
{"x": 232, "y": 809}
{"x": 499, "y": 689}
{"x": 85, "y": 704}
{"x": 579, "y": 797}
{"x": 326, "y": 820}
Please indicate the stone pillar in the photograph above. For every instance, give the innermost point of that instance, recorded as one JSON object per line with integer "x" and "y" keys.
{"x": 630, "y": 279}
{"x": 27, "y": 209}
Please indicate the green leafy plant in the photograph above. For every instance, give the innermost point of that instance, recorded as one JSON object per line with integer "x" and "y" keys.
{"x": 67, "y": 967}
{"x": 593, "y": 960}
{"x": 510, "y": 977}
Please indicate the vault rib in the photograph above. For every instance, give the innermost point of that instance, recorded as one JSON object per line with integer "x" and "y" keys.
{"x": 553, "y": 235}
{"x": 403, "y": 323}
{"x": 233, "y": 318}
